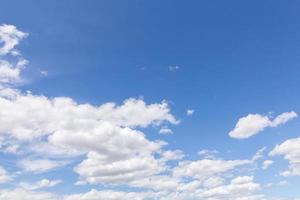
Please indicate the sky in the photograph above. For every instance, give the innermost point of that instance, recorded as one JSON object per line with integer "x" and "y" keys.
{"x": 149, "y": 100}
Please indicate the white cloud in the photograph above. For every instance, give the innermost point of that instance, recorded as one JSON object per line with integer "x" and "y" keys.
{"x": 130, "y": 141}
{"x": 240, "y": 188}
{"x": 10, "y": 70}
{"x": 165, "y": 131}
{"x": 44, "y": 183}
{"x": 283, "y": 118}
{"x": 172, "y": 155}
{"x": 190, "y": 112}
{"x": 38, "y": 115}
{"x": 10, "y": 36}
{"x": 4, "y": 176}
{"x": 259, "y": 154}
{"x": 60, "y": 127}
{"x": 205, "y": 168}
{"x": 135, "y": 112}
{"x": 290, "y": 149}
{"x": 109, "y": 138}
{"x": 9, "y": 73}
{"x": 21, "y": 194}
{"x": 208, "y": 154}
{"x": 213, "y": 182}
{"x": 109, "y": 195}
{"x": 252, "y": 124}
{"x": 13, "y": 149}
{"x": 158, "y": 183}
{"x": 44, "y": 72}
{"x": 39, "y": 165}
{"x": 267, "y": 164}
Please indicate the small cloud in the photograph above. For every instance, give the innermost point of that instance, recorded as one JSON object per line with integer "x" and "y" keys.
{"x": 208, "y": 154}
{"x": 44, "y": 183}
{"x": 44, "y": 72}
{"x": 252, "y": 124}
{"x": 283, "y": 183}
{"x": 12, "y": 149}
{"x": 165, "y": 131}
{"x": 173, "y": 68}
{"x": 172, "y": 155}
{"x": 190, "y": 112}
{"x": 267, "y": 164}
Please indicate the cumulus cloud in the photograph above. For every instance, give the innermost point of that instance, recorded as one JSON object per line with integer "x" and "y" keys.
{"x": 39, "y": 115}
{"x": 290, "y": 149}
{"x": 172, "y": 155}
{"x": 109, "y": 195}
{"x": 10, "y": 36}
{"x": 252, "y": 124}
{"x": 239, "y": 188}
{"x": 95, "y": 169}
{"x": 21, "y": 194}
{"x": 108, "y": 143}
{"x": 10, "y": 71}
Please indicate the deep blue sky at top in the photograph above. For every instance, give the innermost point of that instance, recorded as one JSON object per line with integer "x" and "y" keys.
{"x": 235, "y": 57}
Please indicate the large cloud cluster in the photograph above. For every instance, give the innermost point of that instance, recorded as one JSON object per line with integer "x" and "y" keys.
{"x": 109, "y": 145}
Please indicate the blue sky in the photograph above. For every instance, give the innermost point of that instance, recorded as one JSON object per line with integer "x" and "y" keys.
{"x": 233, "y": 63}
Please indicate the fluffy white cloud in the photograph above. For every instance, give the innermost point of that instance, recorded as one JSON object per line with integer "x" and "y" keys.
{"x": 10, "y": 70}
{"x": 38, "y": 115}
{"x": 252, "y": 124}
{"x": 172, "y": 155}
{"x": 50, "y": 128}
{"x": 240, "y": 188}
{"x": 10, "y": 73}
{"x": 267, "y": 164}
{"x": 44, "y": 183}
{"x": 21, "y": 194}
{"x": 290, "y": 149}
{"x": 96, "y": 169}
{"x": 109, "y": 195}
{"x": 108, "y": 143}
{"x": 165, "y": 131}
{"x": 10, "y": 36}
{"x": 4, "y": 176}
